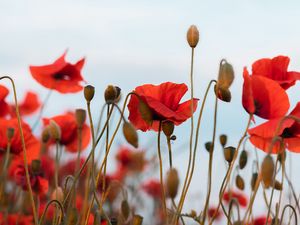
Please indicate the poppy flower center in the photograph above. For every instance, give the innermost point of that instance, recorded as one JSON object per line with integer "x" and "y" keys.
{"x": 258, "y": 106}
{"x": 287, "y": 133}
{"x": 61, "y": 76}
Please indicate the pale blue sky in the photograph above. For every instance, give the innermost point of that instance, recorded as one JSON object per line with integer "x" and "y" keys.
{"x": 128, "y": 43}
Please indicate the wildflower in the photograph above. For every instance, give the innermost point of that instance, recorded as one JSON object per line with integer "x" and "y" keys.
{"x": 152, "y": 188}
{"x": 276, "y": 69}
{"x": 3, "y": 104}
{"x": 61, "y": 76}
{"x": 239, "y": 196}
{"x": 163, "y": 101}
{"x": 264, "y": 97}
{"x": 261, "y": 136}
{"x": 28, "y": 106}
{"x": 69, "y": 131}
{"x": 212, "y": 211}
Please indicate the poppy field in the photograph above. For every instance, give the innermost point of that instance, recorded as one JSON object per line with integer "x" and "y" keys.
{"x": 60, "y": 169}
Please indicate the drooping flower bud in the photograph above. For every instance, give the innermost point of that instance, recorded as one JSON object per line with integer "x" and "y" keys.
{"x": 267, "y": 171}
{"x": 172, "y": 183}
{"x": 112, "y": 94}
{"x": 208, "y": 146}
{"x": 125, "y": 209}
{"x": 253, "y": 180}
{"x": 278, "y": 185}
{"x": 10, "y": 133}
{"x": 226, "y": 75}
{"x": 80, "y": 115}
{"x": 168, "y": 128}
{"x": 145, "y": 112}
{"x": 229, "y": 153}
{"x": 54, "y": 130}
{"x": 130, "y": 134}
{"x": 137, "y": 220}
{"x": 223, "y": 94}
{"x": 46, "y": 135}
{"x": 192, "y": 36}
{"x": 243, "y": 159}
{"x": 223, "y": 140}
{"x": 58, "y": 194}
{"x": 89, "y": 92}
{"x": 239, "y": 182}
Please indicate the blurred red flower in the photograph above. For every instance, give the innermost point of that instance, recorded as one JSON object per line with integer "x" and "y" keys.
{"x": 239, "y": 196}
{"x": 276, "y": 69}
{"x": 28, "y": 106}
{"x": 13, "y": 219}
{"x": 61, "y": 76}
{"x": 261, "y": 136}
{"x": 3, "y": 104}
{"x": 264, "y": 97}
{"x": 153, "y": 188}
{"x": 163, "y": 101}
{"x": 69, "y": 131}
{"x": 212, "y": 211}
{"x": 31, "y": 142}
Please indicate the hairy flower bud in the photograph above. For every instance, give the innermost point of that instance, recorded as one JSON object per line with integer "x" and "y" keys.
{"x": 130, "y": 134}
{"x": 226, "y": 75}
{"x": 229, "y": 153}
{"x": 112, "y": 94}
{"x": 125, "y": 209}
{"x": 172, "y": 183}
{"x": 10, "y": 133}
{"x": 243, "y": 159}
{"x": 58, "y": 194}
{"x": 267, "y": 171}
{"x": 239, "y": 182}
{"x": 46, "y": 135}
{"x": 89, "y": 92}
{"x": 223, "y": 94}
{"x": 168, "y": 128}
{"x": 80, "y": 115}
{"x": 145, "y": 112}
{"x": 54, "y": 130}
{"x": 223, "y": 139}
{"x": 192, "y": 36}
{"x": 253, "y": 180}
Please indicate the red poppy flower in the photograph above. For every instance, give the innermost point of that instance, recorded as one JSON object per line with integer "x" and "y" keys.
{"x": 38, "y": 182}
{"x": 163, "y": 100}
{"x": 212, "y": 211}
{"x": 31, "y": 142}
{"x": 152, "y": 188}
{"x": 264, "y": 97}
{"x": 261, "y": 136}
{"x": 261, "y": 221}
{"x": 13, "y": 219}
{"x": 240, "y": 197}
{"x": 61, "y": 76}
{"x": 69, "y": 131}
{"x": 28, "y": 106}
{"x": 3, "y": 104}
{"x": 276, "y": 69}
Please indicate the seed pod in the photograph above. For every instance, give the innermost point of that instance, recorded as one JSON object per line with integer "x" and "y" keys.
{"x": 172, "y": 183}
{"x": 130, "y": 134}
{"x": 208, "y": 146}
{"x": 112, "y": 94}
{"x": 145, "y": 112}
{"x": 239, "y": 182}
{"x": 54, "y": 130}
{"x": 80, "y": 115}
{"x": 267, "y": 171}
{"x": 36, "y": 166}
{"x": 243, "y": 159}
{"x": 253, "y": 180}
{"x": 229, "y": 153}
{"x": 125, "y": 209}
{"x": 89, "y": 92}
{"x": 46, "y": 135}
{"x": 223, "y": 94}
{"x": 168, "y": 128}
{"x": 192, "y": 36}
{"x": 226, "y": 75}
{"x": 277, "y": 185}
{"x": 10, "y": 133}
{"x": 223, "y": 140}
{"x": 137, "y": 220}
{"x": 58, "y": 194}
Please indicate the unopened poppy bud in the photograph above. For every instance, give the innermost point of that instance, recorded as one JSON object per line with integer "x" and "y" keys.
{"x": 89, "y": 92}
{"x": 46, "y": 135}
{"x": 229, "y": 153}
{"x": 223, "y": 94}
{"x": 54, "y": 130}
{"x": 239, "y": 182}
{"x": 36, "y": 166}
{"x": 192, "y": 36}
{"x": 226, "y": 74}
{"x": 253, "y": 180}
{"x": 277, "y": 185}
{"x": 168, "y": 128}
{"x": 125, "y": 209}
{"x": 223, "y": 139}
{"x": 173, "y": 137}
{"x": 243, "y": 159}
{"x": 267, "y": 171}
{"x": 193, "y": 213}
{"x": 130, "y": 134}
{"x": 137, "y": 220}
{"x": 58, "y": 194}
{"x": 10, "y": 133}
{"x": 145, "y": 112}
{"x": 80, "y": 115}
{"x": 208, "y": 146}
{"x": 172, "y": 183}
{"x": 112, "y": 94}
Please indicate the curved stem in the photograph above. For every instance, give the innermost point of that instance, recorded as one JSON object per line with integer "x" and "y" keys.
{"x": 57, "y": 203}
